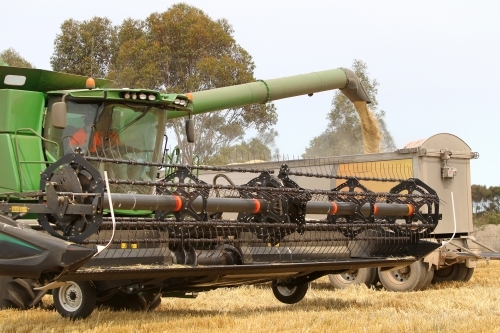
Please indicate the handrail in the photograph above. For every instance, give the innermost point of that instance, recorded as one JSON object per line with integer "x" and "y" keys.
{"x": 18, "y": 152}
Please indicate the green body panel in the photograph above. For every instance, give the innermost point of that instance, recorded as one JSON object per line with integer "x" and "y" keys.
{"x": 21, "y": 118}
{"x": 117, "y": 95}
{"x": 266, "y": 90}
{"x": 9, "y": 177}
{"x": 21, "y": 109}
{"x": 21, "y": 173}
{"x": 43, "y": 80}
{"x": 31, "y": 161}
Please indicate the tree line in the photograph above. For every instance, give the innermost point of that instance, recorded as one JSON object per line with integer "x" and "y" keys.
{"x": 485, "y": 204}
{"x": 485, "y": 199}
{"x": 184, "y": 50}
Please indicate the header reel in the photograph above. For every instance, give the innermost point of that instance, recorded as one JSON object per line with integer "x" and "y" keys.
{"x": 269, "y": 207}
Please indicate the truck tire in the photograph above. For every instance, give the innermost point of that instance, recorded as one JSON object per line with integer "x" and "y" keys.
{"x": 429, "y": 275}
{"x": 405, "y": 279}
{"x": 288, "y": 294}
{"x": 75, "y": 300}
{"x": 367, "y": 276}
{"x": 468, "y": 274}
{"x": 455, "y": 272}
{"x": 16, "y": 293}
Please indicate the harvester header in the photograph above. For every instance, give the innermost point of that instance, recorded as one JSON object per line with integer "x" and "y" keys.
{"x": 81, "y": 164}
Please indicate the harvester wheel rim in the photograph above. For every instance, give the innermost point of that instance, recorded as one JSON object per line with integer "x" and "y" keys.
{"x": 71, "y": 296}
{"x": 406, "y": 279}
{"x": 349, "y": 276}
{"x": 400, "y": 276}
{"x": 75, "y": 300}
{"x": 286, "y": 291}
{"x": 289, "y": 294}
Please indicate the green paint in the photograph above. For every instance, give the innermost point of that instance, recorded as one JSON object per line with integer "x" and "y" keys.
{"x": 26, "y": 92}
{"x": 9, "y": 176}
{"x": 10, "y": 239}
{"x": 21, "y": 109}
{"x": 21, "y": 171}
{"x": 266, "y": 90}
{"x": 43, "y": 80}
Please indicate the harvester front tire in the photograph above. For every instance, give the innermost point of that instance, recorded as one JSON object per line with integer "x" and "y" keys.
{"x": 75, "y": 300}
{"x": 16, "y": 293}
{"x": 405, "y": 279}
{"x": 367, "y": 276}
{"x": 289, "y": 294}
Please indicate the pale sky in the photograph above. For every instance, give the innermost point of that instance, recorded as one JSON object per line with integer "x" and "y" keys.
{"x": 437, "y": 62}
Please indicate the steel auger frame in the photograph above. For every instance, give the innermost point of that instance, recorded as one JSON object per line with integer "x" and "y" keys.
{"x": 74, "y": 191}
{"x": 186, "y": 223}
{"x": 181, "y": 239}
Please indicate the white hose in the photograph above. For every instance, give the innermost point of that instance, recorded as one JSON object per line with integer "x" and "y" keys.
{"x": 101, "y": 248}
{"x": 454, "y": 222}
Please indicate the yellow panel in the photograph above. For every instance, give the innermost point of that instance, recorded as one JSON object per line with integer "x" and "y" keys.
{"x": 400, "y": 169}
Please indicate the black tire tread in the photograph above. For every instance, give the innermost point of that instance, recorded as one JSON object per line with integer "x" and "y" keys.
{"x": 16, "y": 293}
{"x": 455, "y": 272}
{"x": 297, "y": 296}
{"x": 468, "y": 275}
{"x": 429, "y": 275}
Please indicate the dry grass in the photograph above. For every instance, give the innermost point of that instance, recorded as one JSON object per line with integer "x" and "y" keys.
{"x": 449, "y": 307}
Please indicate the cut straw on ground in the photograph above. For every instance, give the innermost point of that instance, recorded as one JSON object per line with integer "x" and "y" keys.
{"x": 447, "y": 307}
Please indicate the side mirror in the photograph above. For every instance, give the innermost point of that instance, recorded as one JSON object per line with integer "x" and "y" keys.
{"x": 190, "y": 130}
{"x": 59, "y": 111}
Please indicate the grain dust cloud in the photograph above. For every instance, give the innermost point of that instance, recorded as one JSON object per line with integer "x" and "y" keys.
{"x": 371, "y": 130}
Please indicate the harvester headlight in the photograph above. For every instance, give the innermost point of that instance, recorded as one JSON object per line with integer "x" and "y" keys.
{"x": 134, "y": 96}
{"x": 127, "y": 95}
{"x": 183, "y": 102}
{"x": 177, "y": 101}
{"x": 151, "y": 97}
{"x": 142, "y": 96}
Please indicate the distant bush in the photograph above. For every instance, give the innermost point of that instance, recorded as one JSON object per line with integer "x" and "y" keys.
{"x": 484, "y": 218}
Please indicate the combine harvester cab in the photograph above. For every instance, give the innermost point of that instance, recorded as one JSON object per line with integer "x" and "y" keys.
{"x": 441, "y": 161}
{"x": 85, "y": 216}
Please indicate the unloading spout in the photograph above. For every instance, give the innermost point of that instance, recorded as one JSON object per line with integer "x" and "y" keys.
{"x": 354, "y": 90}
{"x": 263, "y": 91}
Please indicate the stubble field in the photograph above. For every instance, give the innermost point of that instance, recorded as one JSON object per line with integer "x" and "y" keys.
{"x": 447, "y": 307}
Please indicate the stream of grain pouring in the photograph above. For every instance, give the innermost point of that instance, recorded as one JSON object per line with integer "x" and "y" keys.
{"x": 371, "y": 130}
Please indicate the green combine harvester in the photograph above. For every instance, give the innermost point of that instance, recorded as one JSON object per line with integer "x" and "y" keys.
{"x": 85, "y": 217}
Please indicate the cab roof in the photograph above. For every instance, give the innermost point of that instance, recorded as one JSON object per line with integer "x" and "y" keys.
{"x": 41, "y": 80}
